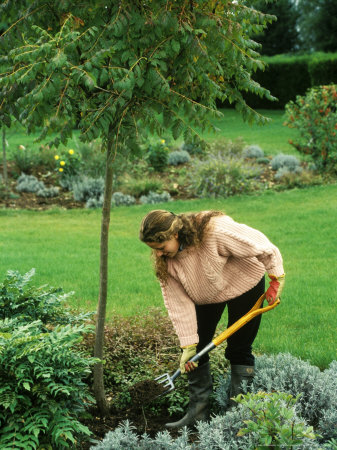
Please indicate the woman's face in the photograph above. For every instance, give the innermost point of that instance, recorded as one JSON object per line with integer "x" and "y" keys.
{"x": 167, "y": 248}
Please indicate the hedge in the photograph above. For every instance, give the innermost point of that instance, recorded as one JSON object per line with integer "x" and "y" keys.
{"x": 287, "y": 76}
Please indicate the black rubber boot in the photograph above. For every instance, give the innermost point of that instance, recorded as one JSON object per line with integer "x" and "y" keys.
{"x": 200, "y": 388}
{"x": 238, "y": 375}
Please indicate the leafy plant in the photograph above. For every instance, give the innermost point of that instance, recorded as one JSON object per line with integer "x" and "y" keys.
{"x": 315, "y": 117}
{"x": 42, "y": 388}
{"x": 273, "y": 420}
{"x": 315, "y": 390}
{"x": 20, "y": 300}
{"x": 137, "y": 186}
{"x": 68, "y": 162}
{"x": 29, "y": 183}
{"x": 157, "y": 155}
{"x": 25, "y": 159}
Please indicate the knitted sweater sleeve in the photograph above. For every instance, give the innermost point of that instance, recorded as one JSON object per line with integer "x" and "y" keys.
{"x": 181, "y": 310}
{"x": 241, "y": 241}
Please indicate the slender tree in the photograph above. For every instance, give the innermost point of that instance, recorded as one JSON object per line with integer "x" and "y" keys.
{"x": 115, "y": 68}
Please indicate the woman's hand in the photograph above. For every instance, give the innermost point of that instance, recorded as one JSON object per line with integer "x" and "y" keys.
{"x": 188, "y": 352}
{"x": 275, "y": 288}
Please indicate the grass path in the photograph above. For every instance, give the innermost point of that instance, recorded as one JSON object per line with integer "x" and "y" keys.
{"x": 63, "y": 246}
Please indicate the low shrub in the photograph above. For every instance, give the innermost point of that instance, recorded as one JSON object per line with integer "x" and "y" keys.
{"x": 178, "y": 157}
{"x": 253, "y": 151}
{"x": 120, "y": 199}
{"x": 86, "y": 188}
{"x": 281, "y": 161}
{"x": 29, "y": 183}
{"x": 317, "y": 401}
{"x": 138, "y": 187}
{"x": 155, "y": 197}
{"x": 193, "y": 148}
{"x": 25, "y": 160}
{"x": 221, "y": 176}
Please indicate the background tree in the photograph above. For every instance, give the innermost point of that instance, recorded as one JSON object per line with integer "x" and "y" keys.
{"x": 318, "y": 25}
{"x": 281, "y": 36}
{"x": 116, "y": 69}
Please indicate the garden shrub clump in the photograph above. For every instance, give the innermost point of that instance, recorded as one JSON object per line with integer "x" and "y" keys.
{"x": 292, "y": 405}
{"x": 154, "y": 197}
{"x": 29, "y": 183}
{"x": 43, "y": 387}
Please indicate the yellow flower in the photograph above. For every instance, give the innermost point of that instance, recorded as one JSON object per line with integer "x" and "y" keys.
{"x": 56, "y": 157}
{"x": 22, "y": 147}
{"x": 71, "y": 151}
{"x": 162, "y": 141}
{"x": 60, "y": 169}
{"x": 62, "y": 163}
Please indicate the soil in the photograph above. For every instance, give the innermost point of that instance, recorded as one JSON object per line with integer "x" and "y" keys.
{"x": 142, "y": 394}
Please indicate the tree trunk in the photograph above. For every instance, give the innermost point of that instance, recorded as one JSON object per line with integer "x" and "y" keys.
{"x": 4, "y": 161}
{"x": 98, "y": 386}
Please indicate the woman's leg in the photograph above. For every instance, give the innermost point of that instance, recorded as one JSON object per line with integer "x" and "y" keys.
{"x": 208, "y": 317}
{"x": 239, "y": 345}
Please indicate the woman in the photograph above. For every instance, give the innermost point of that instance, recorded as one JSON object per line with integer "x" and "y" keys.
{"x": 205, "y": 261}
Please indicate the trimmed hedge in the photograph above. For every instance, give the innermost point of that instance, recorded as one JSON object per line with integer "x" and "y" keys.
{"x": 287, "y": 76}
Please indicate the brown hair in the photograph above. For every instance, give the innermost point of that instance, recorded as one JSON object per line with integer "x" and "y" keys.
{"x": 160, "y": 225}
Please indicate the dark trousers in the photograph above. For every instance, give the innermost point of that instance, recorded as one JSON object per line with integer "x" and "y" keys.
{"x": 239, "y": 345}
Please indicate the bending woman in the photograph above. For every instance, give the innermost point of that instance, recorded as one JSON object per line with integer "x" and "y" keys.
{"x": 205, "y": 261}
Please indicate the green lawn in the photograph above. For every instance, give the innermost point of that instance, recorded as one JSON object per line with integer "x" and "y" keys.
{"x": 63, "y": 246}
{"x": 272, "y": 137}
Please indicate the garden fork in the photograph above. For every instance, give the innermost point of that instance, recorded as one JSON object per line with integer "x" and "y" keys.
{"x": 168, "y": 381}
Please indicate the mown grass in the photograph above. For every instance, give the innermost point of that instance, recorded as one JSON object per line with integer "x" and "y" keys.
{"x": 63, "y": 246}
{"x": 272, "y": 137}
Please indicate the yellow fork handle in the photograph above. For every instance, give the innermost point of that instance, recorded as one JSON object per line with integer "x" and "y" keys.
{"x": 255, "y": 311}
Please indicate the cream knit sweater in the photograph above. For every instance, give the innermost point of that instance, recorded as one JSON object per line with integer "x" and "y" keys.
{"x": 230, "y": 261}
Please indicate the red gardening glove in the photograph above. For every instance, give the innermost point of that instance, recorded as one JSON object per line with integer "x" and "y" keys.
{"x": 275, "y": 288}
